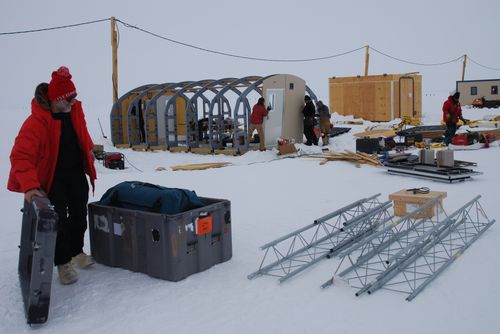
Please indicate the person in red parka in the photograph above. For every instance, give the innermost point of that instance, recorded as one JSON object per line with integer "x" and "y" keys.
{"x": 50, "y": 157}
{"x": 259, "y": 111}
{"x": 452, "y": 112}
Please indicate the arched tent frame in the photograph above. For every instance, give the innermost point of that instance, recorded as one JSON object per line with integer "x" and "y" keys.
{"x": 118, "y": 115}
{"x": 182, "y": 108}
{"x": 215, "y": 139}
{"x": 151, "y": 112}
{"x": 139, "y": 105}
{"x": 311, "y": 94}
{"x": 190, "y": 111}
{"x": 192, "y": 106}
{"x": 244, "y": 116}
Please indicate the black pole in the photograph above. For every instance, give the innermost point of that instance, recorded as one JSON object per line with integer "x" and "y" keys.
{"x": 101, "y": 128}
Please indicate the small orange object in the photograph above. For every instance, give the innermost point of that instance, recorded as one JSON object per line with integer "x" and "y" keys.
{"x": 203, "y": 225}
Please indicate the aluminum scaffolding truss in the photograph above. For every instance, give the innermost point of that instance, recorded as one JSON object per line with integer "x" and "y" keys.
{"x": 392, "y": 236}
{"x": 327, "y": 236}
{"x": 406, "y": 255}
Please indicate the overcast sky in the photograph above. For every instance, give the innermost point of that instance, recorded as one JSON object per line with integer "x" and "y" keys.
{"x": 422, "y": 32}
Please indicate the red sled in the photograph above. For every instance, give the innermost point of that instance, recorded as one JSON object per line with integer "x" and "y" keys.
{"x": 469, "y": 138}
{"x": 460, "y": 139}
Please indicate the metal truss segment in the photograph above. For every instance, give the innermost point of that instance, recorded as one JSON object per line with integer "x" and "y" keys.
{"x": 407, "y": 255}
{"x": 328, "y": 235}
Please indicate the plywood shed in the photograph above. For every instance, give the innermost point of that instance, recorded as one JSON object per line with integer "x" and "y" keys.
{"x": 379, "y": 98}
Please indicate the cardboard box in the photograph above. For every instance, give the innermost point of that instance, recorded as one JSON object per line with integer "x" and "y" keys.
{"x": 286, "y": 149}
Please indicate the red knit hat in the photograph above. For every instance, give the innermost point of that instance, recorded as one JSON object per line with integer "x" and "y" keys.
{"x": 61, "y": 87}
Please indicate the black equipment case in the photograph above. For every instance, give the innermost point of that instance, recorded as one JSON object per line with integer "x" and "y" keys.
{"x": 36, "y": 258}
{"x": 368, "y": 145}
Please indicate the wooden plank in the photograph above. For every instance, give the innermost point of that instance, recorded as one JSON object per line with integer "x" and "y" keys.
{"x": 368, "y": 157}
{"x": 178, "y": 149}
{"x": 202, "y": 166}
{"x": 357, "y": 158}
{"x": 141, "y": 147}
{"x": 230, "y": 152}
{"x": 158, "y": 148}
{"x": 202, "y": 150}
{"x": 376, "y": 134}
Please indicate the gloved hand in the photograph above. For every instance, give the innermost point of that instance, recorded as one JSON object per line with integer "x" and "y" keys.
{"x": 269, "y": 108}
{"x": 32, "y": 193}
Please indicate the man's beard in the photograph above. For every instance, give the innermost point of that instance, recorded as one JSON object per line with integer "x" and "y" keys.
{"x": 62, "y": 108}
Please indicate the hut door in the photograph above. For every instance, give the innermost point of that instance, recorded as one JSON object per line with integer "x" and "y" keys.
{"x": 274, "y": 122}
{"x": 407, "y": 97}
{"x": 160, "y": 119}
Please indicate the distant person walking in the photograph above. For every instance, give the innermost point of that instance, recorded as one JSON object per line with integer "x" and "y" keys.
{"x": 324, "y": 122}
{"x": 309, "y": 111}
{"x": 452, "y": 112}
{"x": 259, "y": 111}
{"x": 50, "y": 157}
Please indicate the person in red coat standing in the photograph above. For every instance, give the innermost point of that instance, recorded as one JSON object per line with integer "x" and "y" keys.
{"x": 259, "y": 111}
{"x": 452, "y": 112}
{"x": 51, "y": 158}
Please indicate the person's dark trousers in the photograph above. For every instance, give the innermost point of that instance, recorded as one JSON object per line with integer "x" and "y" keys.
{"x": 449, "y": 133}
{"x": 310, "y": 136}
{"x": 69, "y": 196}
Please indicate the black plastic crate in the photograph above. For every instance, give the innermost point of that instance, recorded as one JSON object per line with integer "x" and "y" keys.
{"x": 169, "y": 247}
{"x": 368, "y": 145}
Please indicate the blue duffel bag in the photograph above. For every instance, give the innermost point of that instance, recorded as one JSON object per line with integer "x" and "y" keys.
{"x": 149, "y": 197}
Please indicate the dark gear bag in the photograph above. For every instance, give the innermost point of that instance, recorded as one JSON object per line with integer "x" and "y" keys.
{"x": 149, "y": 197}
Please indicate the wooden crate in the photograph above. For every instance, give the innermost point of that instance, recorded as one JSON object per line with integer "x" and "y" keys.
{"x": 403, "y": 198}
{"x": 378, "y": 98}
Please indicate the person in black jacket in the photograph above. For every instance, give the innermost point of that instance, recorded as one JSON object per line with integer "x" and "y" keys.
{"x": 308, "y": 112}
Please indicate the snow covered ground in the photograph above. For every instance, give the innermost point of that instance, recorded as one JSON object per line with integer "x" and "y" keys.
{"x": 269, "y": 196}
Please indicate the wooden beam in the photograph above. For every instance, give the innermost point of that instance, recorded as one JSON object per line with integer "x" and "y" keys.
{"x": 200, "y": 166}
{"x": 463, "y": 67}
{"x": 114, "y": 47}
{"x": 367, "y": 59}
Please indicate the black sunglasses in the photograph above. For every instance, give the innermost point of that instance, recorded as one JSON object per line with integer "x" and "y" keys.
{"x": 71, "y": 99}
